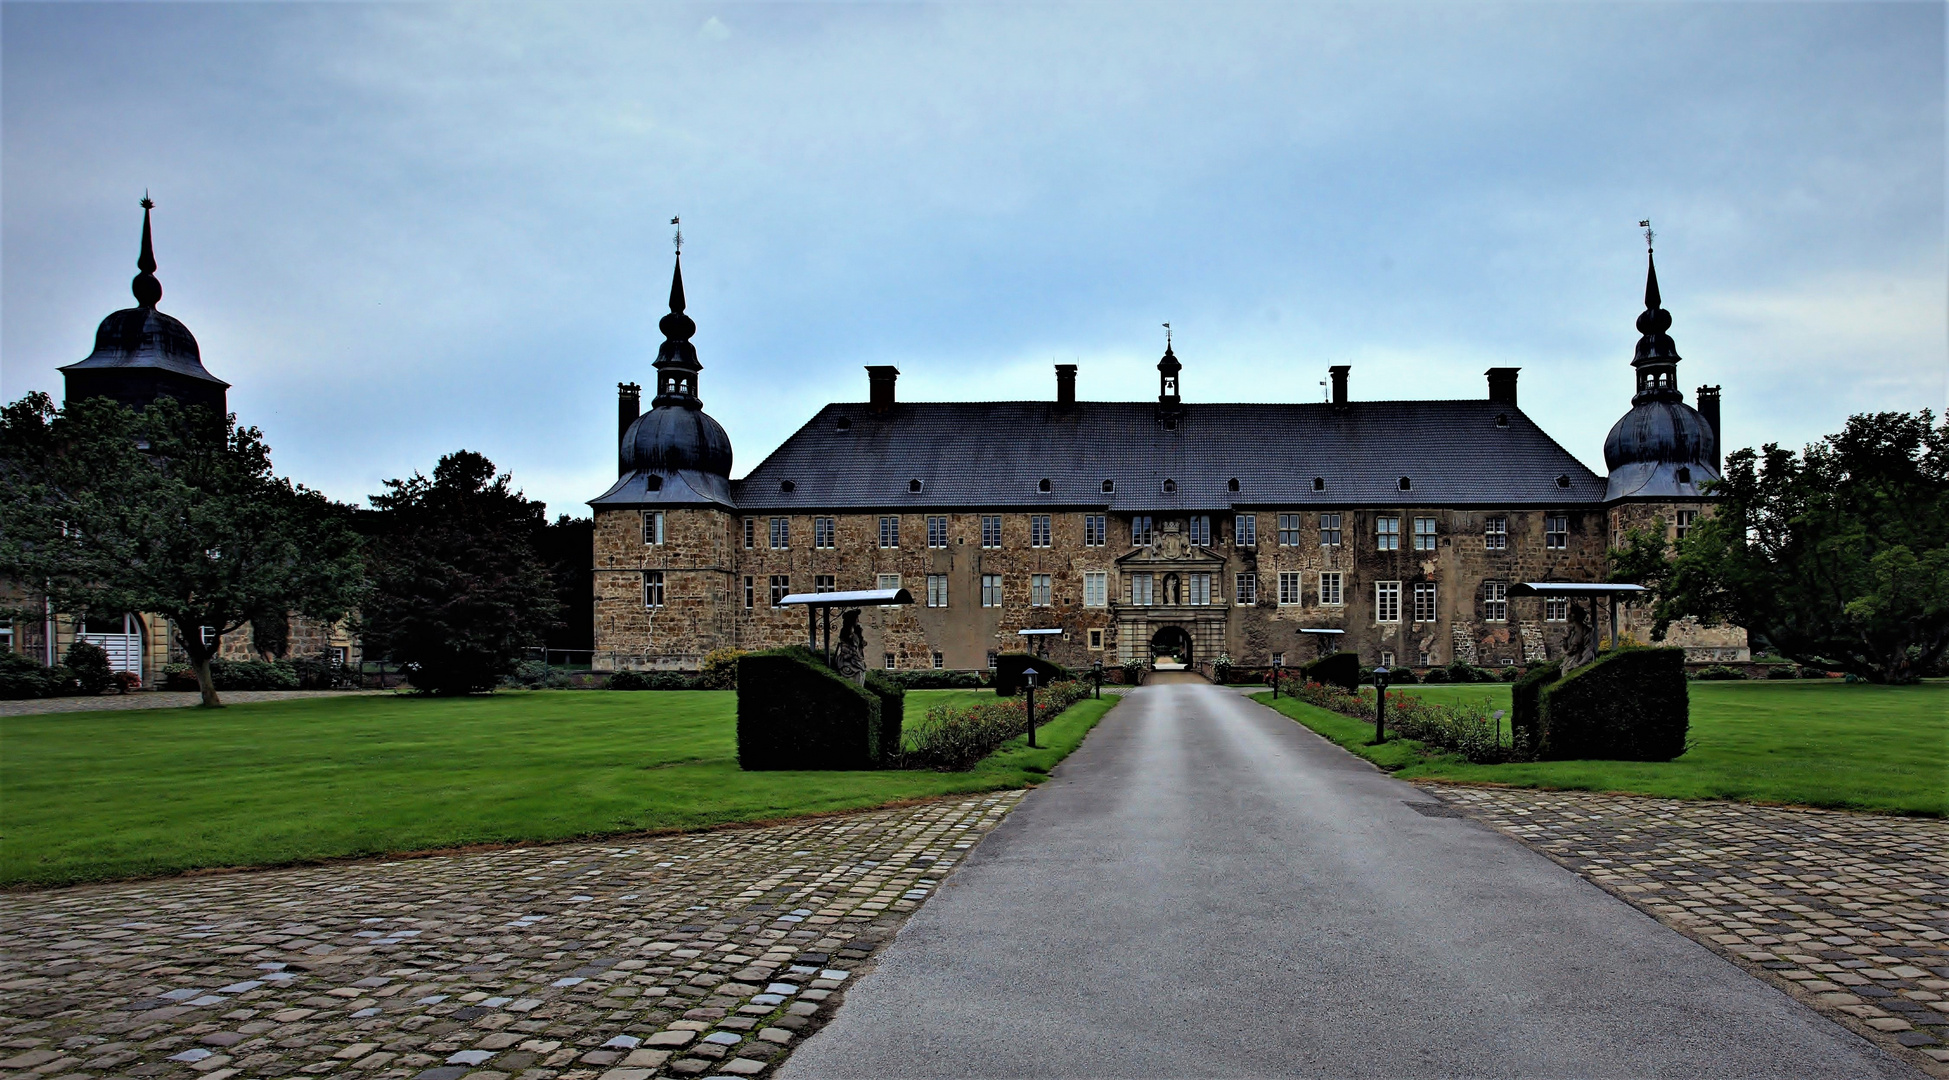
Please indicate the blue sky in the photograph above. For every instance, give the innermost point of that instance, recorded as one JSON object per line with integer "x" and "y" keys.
{"x": 402, "y": 230}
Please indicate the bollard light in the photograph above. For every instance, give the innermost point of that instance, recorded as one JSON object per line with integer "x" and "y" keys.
{"x": 1096, "y": 671}
{"x": 1380, "y": 704}
{"x": 1278, "y": 668}
{"x": 1028, "y": 682}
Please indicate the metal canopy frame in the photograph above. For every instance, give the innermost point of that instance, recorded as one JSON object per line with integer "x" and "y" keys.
{"x": 1037, "y": 637}
{"x": 1324, "y": 632}
{"x": 1574, "y": 590}
{"x": 817, "y": 603}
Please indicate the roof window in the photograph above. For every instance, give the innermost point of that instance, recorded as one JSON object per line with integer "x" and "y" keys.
{"x": 914, "y": 486}
{"x": 1319, "y": 483}
{"x": 655, "y": 483}
{"x": 1043, "y": 485}
{"x": 1683, "y": 475}
{"x": 1502, "y": 419}
{"x": 1109, "y": 486}
{"x": 1407, "y": 484}
{"x": 1563, "y": 480}
{"x": 1170, "y": 487}
{"x": 845, "y": 423}
{"x": 788, "y": 486}
{"x": 1232, "y": 484}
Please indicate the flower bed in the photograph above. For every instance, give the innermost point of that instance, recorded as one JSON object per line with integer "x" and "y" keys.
{"x": 956, "y": 737}
{"x": 1467, "y": 730}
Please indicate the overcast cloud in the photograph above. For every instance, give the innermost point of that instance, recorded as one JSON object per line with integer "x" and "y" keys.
{"x": 402, "y": 230}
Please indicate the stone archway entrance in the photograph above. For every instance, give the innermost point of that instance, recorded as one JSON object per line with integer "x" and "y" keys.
{"x": 1171, "y": 644}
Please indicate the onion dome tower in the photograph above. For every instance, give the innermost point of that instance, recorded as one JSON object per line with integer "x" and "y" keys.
{"x": 1170, "y": 404}
{"x": 1663, "y": 448}
{"x": 141, "y": 354}
{"x": 675, "y": 454}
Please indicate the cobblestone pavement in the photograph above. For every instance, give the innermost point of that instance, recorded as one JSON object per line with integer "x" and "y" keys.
{"x": 161, "y": 699}
{"x": 659, "y": 956}
{"x": 1848, "y": 913}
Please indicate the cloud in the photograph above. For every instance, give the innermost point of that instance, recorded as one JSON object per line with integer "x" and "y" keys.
{"x": 713, "y": 30}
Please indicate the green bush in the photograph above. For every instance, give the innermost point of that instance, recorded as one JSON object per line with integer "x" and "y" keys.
{"x": 942, "y": 679}
{"x": 316, "y": 672}
{"x": 1510, "y": 673}
{"x": 893, "y": 709}
{"x": 178, "y": 677}
{"x": 534, "y": 675}
{"x": 1720, "y": 672}
{"x": 794, "y": 712}
{"x": 720, "y": 670}
{"x": 1461, "y": 671}
{"x": 1526, "y": 707}
{"x": 22, "y": 677}
{"x": 1341, "y": 669}
{"x": 89, "y": 662}
{"x": 651, "y": 680}
{"x": 1133, "y": 672}
{"x": 1629, "y": 705}
{"x": 253, "y": 675}
{"x": 1009, "y": 668}
{"x": 1468, "y": 730}
{"x": 1436, "y": 675}
{"x": 957, "y": 738}
{"x": 1783, "y": 671}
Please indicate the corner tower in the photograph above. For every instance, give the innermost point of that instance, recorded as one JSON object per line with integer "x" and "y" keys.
{"x": 1662, "y": 448}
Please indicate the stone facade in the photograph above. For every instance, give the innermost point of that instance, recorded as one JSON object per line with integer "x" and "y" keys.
{"x": 1702, "y": 644}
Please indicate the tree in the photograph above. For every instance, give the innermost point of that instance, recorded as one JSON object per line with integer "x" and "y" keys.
{"x": 172, "y": 511}
{"x": 1837, "y": 556}
{"x": 458, "y": 593}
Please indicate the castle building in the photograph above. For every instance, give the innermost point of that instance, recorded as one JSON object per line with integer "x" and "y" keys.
{"x": 1137, "y": 528}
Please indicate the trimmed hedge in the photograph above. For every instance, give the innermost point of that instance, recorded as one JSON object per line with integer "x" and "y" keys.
{"x": 627, "y": 679}
{"x": 1526, "y": 706}
{"x": 794, "y": 712}
{"x": 937, "y": 679}
{"x": 956, "y": 738}
{"x": 1340, "y": 669}
{"x": 1009, "y": 668}
{"x": 1628, "y": 705}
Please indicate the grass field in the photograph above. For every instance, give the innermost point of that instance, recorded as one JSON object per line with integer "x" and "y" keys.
{"x": 86, "y": 796}
{"x": 1826, "y": 743}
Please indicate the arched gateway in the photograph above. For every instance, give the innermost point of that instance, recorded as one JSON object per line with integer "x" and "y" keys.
{"x": 1171, "y": 641}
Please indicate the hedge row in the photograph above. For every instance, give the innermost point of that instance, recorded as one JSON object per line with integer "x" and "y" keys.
{"x": 1010, "y": 666}
{"x": 1463, "y": 729}
{"x": 794, "y": 712}
{"x": 957, "y": 738}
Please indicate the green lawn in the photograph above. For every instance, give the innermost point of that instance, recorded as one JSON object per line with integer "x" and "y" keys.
{"x": 1826, "y": 743}
{"x": 119, "y": 794}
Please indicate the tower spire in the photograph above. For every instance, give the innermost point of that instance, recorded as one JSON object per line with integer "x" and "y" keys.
{"x": 676, "y": 360}
{"x": 147, "y": 289}
{"x": 1657, "y": 354}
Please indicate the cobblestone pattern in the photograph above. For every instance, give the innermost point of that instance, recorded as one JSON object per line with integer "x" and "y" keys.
{"x": 666, "y": 956}
{"x": 1848, "y": 913}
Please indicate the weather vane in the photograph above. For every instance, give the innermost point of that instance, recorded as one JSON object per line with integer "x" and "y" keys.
{"x": 1649, "y": 236}
{"x": 1167, "y": 337}
{"x": 679, "y": 238}
{"x": 147, "y": 203}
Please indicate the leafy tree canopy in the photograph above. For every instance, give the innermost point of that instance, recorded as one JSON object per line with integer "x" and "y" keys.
{"x": 459, "y": 594}
{"x": 173, "y": 511}
{"x": 1838, "y": 556}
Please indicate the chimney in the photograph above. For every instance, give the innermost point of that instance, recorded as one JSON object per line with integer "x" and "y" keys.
{"x": 1339, "y": 373}
{"x": 1709, "y": 408}
{"x": 629, "y": 403}
{"x": 879, "y": 383}
{"x": 1065, "y": 384}
{"x": 1502, "y": 385}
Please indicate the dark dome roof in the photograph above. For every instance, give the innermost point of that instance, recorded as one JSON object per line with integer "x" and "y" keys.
{"x": 1670, "y": 431}
{"x": 671, "y": 437}
{"x": 142, "y": 337}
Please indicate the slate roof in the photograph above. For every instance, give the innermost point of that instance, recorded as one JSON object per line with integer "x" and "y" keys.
{"x": 994, "y": 454}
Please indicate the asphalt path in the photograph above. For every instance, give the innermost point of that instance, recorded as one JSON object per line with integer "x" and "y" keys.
{"x": 1206, "y": 888}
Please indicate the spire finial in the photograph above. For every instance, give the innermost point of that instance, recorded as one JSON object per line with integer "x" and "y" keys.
{"x": 678, "y": 239}
{"x": 1167, "y": 337}
{"x": 1649, "y": 236}
{"x": 146, "y": 288}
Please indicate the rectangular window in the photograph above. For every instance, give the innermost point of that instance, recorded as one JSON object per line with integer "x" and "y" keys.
{"x": 1201, "y": 530}
{"x": 1141, "y": 530}
{"x": 1329, "y": 530}
{"x": 781, "y": 587}
{"x": 1495, "y": 532}
{"x": 1556, "y": 609}
{"x": 1289, "y": 530}
{"x": 992, "y": 657}
{"x": 991, "y": 530}
{"x": 1096, "y": 588}
{"x": 824, "y": 583}
{"x": 1683, "y": 522}
{"x": 889, "y": 661}
{"x": 1387, "y": 601}
{"x": 750, "y": 591}
{"x": 653, "y": 588}
{"x": 781, "y": 533}
{"x": 823, "y": 529}
{"x": 1424, "y": 534}
{"x": 1556, "y": 531}
{"x": 1096, "y": 530}
{"x": 1096, "y": 638}
{"x": 1245, "y": 530}
{"x": 1142, "y": 589}
{"x": 1424, "y": 601}
{"x": 886, "y": 581}
{"x": 889, "y": 532}
{"x": 653, "y": 526}
{"x": 1039, "y": 590}
{"x": 1387, "y": 658}
{"x": 1387, "y": 533}
{"x": 991, "y": 590}
{"x": 750, "y": 532}
{"x": 937, "y": 532}
{"x": 937, "y": 590}
{"x": 1289, "y": 587}
{"x": 1427, "y": 658}
{"x": 1038, "y": 530}
{"x": 1245, "y": 587}
{"x": 1495, "y": 601}
{"x": 1330, "y": 588}
{"x": 1201, "y": 589}
{"x": 939, "y": 661}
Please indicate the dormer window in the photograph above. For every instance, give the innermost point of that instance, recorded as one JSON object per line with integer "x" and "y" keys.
{"x": 1407, "y": 484}
{"x": 1502, "y": 419}
{"x": 1232, "y": 484}
{"x": 1563, "y": 480}
{"x": 654, "y": 483}
{"x": 1319, "y": 483}
{"x": 1683, "y": 475}
{"x": 914, "y": 486}
{"x": 1109, "y": 486}
{"x": 1170, "y": 487}
{"x": 788, "y": 486}
{"x": 1043, "y": 485}
{"x": 845, "y": 423}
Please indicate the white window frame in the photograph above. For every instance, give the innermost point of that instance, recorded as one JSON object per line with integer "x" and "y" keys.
{"x": 1682, "y": 522}
{"x": 937, "y": 531}
{"x": 1096, "y": 639}
{"x": 1245, "y": 530}
{"x": 1387, "y": 532}
{"x": 1143, "y": 590}
{"x": 1096, "y": 530}
{"x": 750, "y": 591}
{"x": 781, "y": 587}
{"x": 1200, "y": 527}
{"x": 991, "y": 532}
{"x": 1040, "y": 531}
{"x": 1495, "y": 532}
{"x": 1198, "y": 589}
{"x": 1387, "y": 601}
{"x": 825, "y": 583}
{"x": 1330, "y": 530}
{"x": 1424, "y": 534}
{"x": 1245, "y": 589}
{"x": 750, "y": 533}
{"x": 1290, "y": 588}
{"x": 1143, "y": 530}
{"x": 652, "y": 528}
{"x": 1556, "y": 532}
{"x": 1425, "y": 608}
{"x": 1096, "y": 588}
{"x": 781, "y": 534}
{"x": 1495, "y": 601}
{"x": 1042, "y": 590}
{"x": 889, "y": 657}
{"x": 825, "y": 533}
{"x": 939, "y": 661}
{"x": 1333, "y": 588}
{"x": 1290, "y": 530}
{"x": 937, "y": 590}
{"x": 991, "y": 590}
{"x": 889, "y": 532}
{"x": 1556, "y": 609}
{"x": 886, "y": 581}
{"x": 653, "y": 588}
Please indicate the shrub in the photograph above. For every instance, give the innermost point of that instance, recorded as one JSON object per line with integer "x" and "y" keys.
{"x": 794, "y": 712}
{"x": 1468, "y": 730}
{"x": 957, "y": 738}
{"x": 646, "y": 680}
{"x": 1340, "y": 669}
{"x": 1720, "y": 672}
{"x": 1629, "y": 705}
{"x": 1009, "y": 668}
{"x": 533, "y": 675}
{"x": 316, "y": 672}
{"x": 1526, "y": 704}
{"x": 1783, "y": 671}
{"x": 178, "y": 677}
{"x": 893, "y": 710}
{"x": 720, "y": 670}
{"x": 1133, "y": 672}
{"x": 127, "y": 682}
{"x": 931, "y": 679}
{"x": 22, "y": 677}
{"x": 253, "y": 675}
{"x": 1461, "y": 671}
{"x": 1436, "y": 675}
{"x": 89, "y": 663}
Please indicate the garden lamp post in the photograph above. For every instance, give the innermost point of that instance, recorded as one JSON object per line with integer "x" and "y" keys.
{"x": 1028, "y": 684}
{"x": 1096, "y": 672}
{"x": 1278, "y": 668}
{"x": 1380, "y": 704}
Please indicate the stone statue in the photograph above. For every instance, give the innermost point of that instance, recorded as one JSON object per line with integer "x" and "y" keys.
{"x": 1579, "y": 645}
{"x": 849, "y": 659}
